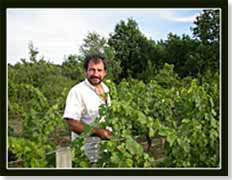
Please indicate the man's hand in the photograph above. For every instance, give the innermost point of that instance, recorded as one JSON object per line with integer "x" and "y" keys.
{"x": 78, "y": 127}
{"x": 103, "y": 133}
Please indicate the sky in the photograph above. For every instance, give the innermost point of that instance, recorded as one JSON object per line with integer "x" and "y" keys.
{"x": 58, "y": 33}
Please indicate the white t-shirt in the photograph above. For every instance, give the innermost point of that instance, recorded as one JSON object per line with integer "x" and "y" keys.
{"x": 82, "y": 103}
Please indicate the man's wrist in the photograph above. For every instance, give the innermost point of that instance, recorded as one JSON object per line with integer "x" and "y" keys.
{"x": 95, "y": 131}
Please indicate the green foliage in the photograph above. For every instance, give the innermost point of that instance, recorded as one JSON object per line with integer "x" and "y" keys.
{"x": 41, "y": 75}
{"x": 177, "y": 52}
{"x": 207, "y": 30}
{"x": 184, "y": 113}
{"x": 186, "y": 117}
{"x": 195, "y": 141}
{"x": 72, "y": 68}
{"x": 79, "y": 159}
{"x": 32, "y": 153}
{"x": 39, "y": 135}
{"x": 36, "y": 96}
{"x": 207, "y": 26}
{"x": 167, "y": 78}
{"x": 132, "y": 49}
{"x": 93, "y": 44}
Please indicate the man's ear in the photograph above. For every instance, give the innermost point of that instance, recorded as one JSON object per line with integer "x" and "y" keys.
{"x": 105, "y": 74}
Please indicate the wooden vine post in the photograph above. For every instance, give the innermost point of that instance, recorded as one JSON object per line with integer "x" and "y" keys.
{"x": 64, "y": 157}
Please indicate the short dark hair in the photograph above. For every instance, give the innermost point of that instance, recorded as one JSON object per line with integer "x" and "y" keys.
{"x": 95, "y": 58}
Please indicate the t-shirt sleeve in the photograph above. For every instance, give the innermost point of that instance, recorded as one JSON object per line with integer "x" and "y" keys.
{"x": 74, "y": 106}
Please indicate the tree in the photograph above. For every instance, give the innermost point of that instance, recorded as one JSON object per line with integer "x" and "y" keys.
{"x": 132, "y": 49}
{"x": 33, "y": 52}
{"x": 72, "y": 68}
{"x": 207, "y": 27}
{"x": 93, "y": 44}
{"x": 207, "y": 31}
{"x": 177, "y": 51}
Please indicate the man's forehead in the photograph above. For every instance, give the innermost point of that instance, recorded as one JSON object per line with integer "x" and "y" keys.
{"x": 96, "y": 62}
{"x": 99, "y": 60}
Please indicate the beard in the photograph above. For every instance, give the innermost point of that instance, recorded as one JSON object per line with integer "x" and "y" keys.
{"x": 95, "y": 80}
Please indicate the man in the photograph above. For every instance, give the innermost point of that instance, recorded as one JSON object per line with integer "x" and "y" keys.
{"x": 84, "y": 99}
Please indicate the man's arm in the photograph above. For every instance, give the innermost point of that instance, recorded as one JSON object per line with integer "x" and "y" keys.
{"x": 78, "y": 127}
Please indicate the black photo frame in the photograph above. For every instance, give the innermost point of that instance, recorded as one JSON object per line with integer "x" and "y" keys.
{"x": 222, "y": 4}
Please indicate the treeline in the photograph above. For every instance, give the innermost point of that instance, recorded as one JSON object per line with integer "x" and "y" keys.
{"x": 130, "y": 54}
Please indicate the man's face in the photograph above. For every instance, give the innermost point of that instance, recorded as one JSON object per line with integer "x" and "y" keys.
{"x": 95, "y": 72}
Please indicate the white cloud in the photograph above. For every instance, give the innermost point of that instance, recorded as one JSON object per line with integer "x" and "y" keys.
{"x": 55, "y": 32}
{"x": 175, "y": 15}
{"x": 59, "y": 32}
{"x": 188, "y": 19}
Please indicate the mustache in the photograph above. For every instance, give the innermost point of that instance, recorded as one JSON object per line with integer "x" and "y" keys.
{"x": 93, "y": 77}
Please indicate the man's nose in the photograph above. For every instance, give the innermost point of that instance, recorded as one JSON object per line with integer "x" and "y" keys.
{"x": 95, "y": 73}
